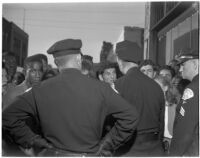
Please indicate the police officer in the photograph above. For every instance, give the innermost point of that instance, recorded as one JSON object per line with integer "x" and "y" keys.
{"x": 71, "y": 109}
{"x": 144, "y": 94}
{"x": 185, "y": 141}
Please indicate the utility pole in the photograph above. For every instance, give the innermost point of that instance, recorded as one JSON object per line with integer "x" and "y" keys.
{"x": 24, "y": 16}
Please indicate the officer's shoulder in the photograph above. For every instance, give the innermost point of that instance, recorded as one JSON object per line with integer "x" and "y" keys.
{"x": 97, "y": 83}
{"x": 121, "y": 79}
{"x": 193, "y": 86}
{"x": 49, "y": 82}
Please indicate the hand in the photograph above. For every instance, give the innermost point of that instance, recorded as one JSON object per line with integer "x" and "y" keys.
{"x": 40, "y": 142}
{"x": 105, "y": 153}
{"x": 105, "y": 149}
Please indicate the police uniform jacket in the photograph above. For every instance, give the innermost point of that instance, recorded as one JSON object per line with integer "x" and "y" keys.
{"x": 185, "y": 141}
{"x": 147, "y": 96}
{"x": 71, "y": 109}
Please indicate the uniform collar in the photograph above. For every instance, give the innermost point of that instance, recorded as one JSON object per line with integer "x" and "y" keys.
{"x": 131, "y": 70}
{"x": 70, "y": 70}
{"x": 196, "y": 78}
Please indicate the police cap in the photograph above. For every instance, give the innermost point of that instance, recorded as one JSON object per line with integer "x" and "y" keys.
{"x": 129, "y": 51}
{"x": 188, "y": 56}
{"x": 65, "y": 47}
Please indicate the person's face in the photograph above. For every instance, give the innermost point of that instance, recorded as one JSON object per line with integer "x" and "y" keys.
{"x": 186, "y": 69}
{"x": 34, "y": 73}
{"x": 11, "y": 65}
{"x": 148, "y": 70}
{"x": 166, "y": 73}
{"x": 109, "y": 75}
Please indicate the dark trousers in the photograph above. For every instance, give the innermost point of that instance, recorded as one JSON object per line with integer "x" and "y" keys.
{"x": 142, "y": 145}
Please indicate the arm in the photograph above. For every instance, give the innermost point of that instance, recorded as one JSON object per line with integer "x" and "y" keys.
{"x": 14, "y": 120}
{"x": 126, "y": 120}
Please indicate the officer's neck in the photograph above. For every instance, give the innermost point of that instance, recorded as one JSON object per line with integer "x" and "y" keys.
{"x": 194, "y": 76}
{"x": 129, "y": 66}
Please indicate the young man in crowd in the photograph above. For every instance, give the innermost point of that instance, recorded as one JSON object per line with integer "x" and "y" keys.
{"x": 33, "y": 75}
{"x": 108, "y": 72}
{"x": 44, "y": 61}
{"x": 167, "y": 72}
{"x": 147, "y": 67}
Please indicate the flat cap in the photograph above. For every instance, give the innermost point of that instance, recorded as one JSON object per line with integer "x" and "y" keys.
{"x": 188, "y": 56}
{"x": 65, "y": 47}
{"x": 129, "y": 51}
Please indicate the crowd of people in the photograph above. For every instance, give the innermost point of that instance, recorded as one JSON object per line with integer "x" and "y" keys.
{"x": 124, "y": 108}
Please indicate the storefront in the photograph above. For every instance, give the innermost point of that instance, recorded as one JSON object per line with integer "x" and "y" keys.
{"x": 173, "y": 32}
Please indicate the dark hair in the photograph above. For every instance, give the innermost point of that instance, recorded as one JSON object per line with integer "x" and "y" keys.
{"x": 106, "y": 65}
{"x": 19, "y": 77}
{"x": 87, "y": 57}
{"x": 167, "y": 67}
{"x": 87, "y": 64}
{"x": 146, "y": 62}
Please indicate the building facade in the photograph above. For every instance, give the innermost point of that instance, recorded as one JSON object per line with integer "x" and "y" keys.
{"x": 14, "y": 40}
{"x": 170, "y": 28}
{"x": 133, "y": 34}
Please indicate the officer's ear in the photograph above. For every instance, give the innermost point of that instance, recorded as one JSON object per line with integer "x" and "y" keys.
{"x": 196, "y": 64}
{"x": 56, "y": 61}
{"x": 79, "y": 60}
{"x": 100, "y": 77}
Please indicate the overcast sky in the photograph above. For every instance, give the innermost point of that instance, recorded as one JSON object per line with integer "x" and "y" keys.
{"x": 93, "y": 23}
